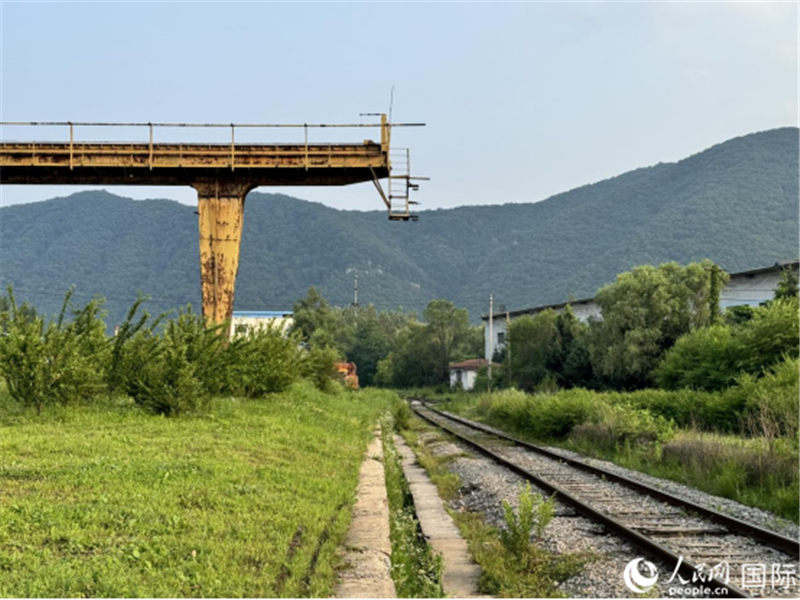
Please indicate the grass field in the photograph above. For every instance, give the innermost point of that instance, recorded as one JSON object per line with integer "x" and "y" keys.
{"x": 250, "y": 499}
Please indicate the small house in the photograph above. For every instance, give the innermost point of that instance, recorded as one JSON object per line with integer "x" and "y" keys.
{"x": 463, "y": 374}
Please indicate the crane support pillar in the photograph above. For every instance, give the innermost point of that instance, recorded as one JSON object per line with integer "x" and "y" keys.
{"x": 221, "y": 209}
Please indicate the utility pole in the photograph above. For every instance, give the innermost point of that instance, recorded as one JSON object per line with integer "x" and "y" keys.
{"x": 491, "y": 337}
{"x": 355, "y": 291}
{"x": 508, "y": 348}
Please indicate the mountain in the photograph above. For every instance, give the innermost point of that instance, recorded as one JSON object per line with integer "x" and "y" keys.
{"x": 736, "y": 203}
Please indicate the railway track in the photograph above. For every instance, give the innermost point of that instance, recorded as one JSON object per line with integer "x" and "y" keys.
{"x": 708, "y": 549}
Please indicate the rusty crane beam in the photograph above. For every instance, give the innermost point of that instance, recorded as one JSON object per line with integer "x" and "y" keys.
{"x": 222, "y": 174}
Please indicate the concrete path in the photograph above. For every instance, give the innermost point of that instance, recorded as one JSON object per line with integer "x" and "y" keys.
{"x": 368, "y": 571}
{"x": 461, "y": 574}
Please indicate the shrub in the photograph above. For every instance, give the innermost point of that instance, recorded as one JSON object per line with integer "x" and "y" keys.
{"x": 319, "y": 366}
{"x": 526, "y": 524}
{"x": 621, "y": 425}
{"x": 771, "y": 402}
{"x": 167, "y": 372}
{"x": 555, "y": 416}
{"x": 712, "y": 358}
{"x": 265, "y": 362}
{"x": 772, "y": 334}
{"x": 52, "y": 362}
{"x": 704, "y": 359}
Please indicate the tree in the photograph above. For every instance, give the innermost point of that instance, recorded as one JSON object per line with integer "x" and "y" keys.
{"x": 534, "y": 342}
{"x": 788, "y": 285}
{"x": 370, "y": 346}
{"x": 448, "y": 326}
{"x": 644, "y": 312}
{"x": 320, "y": 324}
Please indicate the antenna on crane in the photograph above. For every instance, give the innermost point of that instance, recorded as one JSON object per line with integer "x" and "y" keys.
{"x": 391, "y": 104}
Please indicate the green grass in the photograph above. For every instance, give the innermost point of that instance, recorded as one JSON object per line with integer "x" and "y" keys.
{"x": 416, "y": 569}
{"x": 249, "y": 499}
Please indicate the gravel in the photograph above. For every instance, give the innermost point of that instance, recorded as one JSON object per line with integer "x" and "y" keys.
{"x": 486, "y": 485}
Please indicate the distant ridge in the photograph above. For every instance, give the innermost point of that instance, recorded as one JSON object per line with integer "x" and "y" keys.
{"x": 736, "y": 203}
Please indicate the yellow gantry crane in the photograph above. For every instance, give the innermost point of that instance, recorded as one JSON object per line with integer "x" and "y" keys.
{"x": 222, "y": 174}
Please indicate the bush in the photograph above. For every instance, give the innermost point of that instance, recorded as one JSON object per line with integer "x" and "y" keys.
{"x": 52, "y": 362}
{"x": 264, "y": 361}
{"x": 169, "y": 373}
{"x": 712, "y": 358}
{"x": 319, "y": 367}
{"x": 772, "y": 334}
{"x": 704, "y": 359}
{"x": 771, "y": 402}
{"x": 622, "y": 426}
{"x": 554, "y": 416}
{"x": 526, "y": 524}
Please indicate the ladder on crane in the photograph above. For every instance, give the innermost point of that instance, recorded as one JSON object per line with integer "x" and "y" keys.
{"x": 400, "y": 185}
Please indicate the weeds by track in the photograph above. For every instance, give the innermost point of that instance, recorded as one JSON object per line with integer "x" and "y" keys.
{"x": 665, "y": 527}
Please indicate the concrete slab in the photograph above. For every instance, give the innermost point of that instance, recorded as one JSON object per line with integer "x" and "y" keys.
{"x": 369, "y": 549}
{"x": 461, "y": 574}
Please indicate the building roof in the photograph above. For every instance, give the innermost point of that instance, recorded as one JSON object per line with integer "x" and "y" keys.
{"x": 262, "y": 314}
{"x": 473, "y": 364}
{"x": 536, "y": 309}
{"x": 778, "y": 266}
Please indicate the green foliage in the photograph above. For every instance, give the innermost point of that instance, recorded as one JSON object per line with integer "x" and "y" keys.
{"x": 447, "y": 326}
{"x": 645, "y": 312}
{"x": 534, "y": 342}
{"x": 712, "y": 358}
{"x": 265, "y": 361}
{"x": 55, "y": 361}
{"x": 177, "y": 368}
{"x": 525, "y": 526}
{"x": 623, "y": 426}
{"x": 128, "y": 356}
{"x": 788, "y": 285}
{"x": 774, "y": 331}
{"x": 704, "y": 359}
{"x": 771, "y": 401}
{"x": 319, "y": 367}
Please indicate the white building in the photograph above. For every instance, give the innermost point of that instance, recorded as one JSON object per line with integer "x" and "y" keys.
{"x": 246, "y": 320}
{"x": 749, "y": 288}
{"x": 753, "y": 287}
{"x": 463, "y": 374}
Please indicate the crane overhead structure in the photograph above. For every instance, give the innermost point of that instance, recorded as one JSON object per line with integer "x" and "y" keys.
{"x": 222, "y": 175}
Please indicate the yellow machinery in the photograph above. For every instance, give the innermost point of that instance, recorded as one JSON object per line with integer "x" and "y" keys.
{"x": 222, "y": 174}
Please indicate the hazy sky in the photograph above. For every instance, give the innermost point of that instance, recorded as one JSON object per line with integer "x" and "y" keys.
{"x": 522, "y": 100}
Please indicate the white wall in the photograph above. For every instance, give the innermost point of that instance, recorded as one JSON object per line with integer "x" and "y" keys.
{"x": 257, "y": 322}
{"x": 467, "y": 378}
{"x": 750, "y": 290}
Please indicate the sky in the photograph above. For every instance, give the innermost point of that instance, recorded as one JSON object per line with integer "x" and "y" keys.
{"x": 521, "y": 100}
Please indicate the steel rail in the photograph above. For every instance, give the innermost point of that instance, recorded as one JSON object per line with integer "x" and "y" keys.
{"x": 648, "y": 545}
{"x": 770, "y": 538}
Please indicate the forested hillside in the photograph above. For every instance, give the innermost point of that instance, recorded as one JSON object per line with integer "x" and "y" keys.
{"x": 736, "y": 203}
